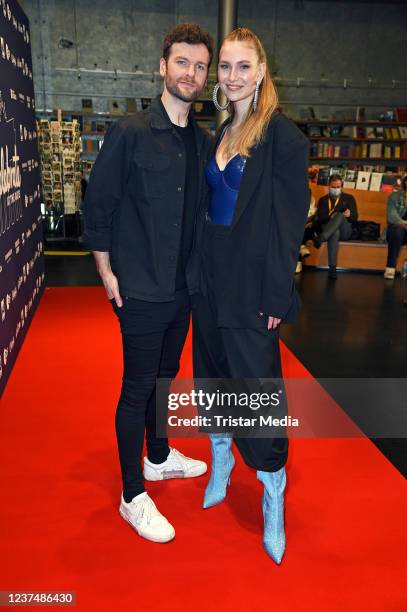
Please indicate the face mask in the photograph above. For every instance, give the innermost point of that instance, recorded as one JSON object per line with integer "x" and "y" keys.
{"x": 335, "y": 191}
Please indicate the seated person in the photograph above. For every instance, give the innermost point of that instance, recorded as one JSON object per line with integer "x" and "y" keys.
{"x": 396, "y": 234}
{"x": 336, "y": 214}
{"x": 308, "y": 233}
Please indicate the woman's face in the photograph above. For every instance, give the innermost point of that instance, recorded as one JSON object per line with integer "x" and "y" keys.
{"x": 239, "y": 70}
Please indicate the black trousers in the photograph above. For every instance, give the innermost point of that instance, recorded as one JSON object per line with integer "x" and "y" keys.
{"x": 153, "y": 335}
{"x": 396, "y": 236}
{"x": 221, "y": 352}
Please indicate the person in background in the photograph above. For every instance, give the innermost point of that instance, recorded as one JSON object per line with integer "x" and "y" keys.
{"x": 141, "y": 209}
{"x": 396, "y": 234}
{"x": 308, "y": 234}
{"x": 336, "y": 214}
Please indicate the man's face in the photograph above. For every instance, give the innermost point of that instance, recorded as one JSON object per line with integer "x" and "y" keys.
{"x": 185, "y": 71}
{"x": 336, "y": 184}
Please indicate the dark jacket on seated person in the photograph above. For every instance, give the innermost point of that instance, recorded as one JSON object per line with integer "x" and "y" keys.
{"x": 324, "y": 211}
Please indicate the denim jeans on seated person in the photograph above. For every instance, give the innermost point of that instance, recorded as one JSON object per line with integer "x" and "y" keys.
{"x": 338, "y": 228}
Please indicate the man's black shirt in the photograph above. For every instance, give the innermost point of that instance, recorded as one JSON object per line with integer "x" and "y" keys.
{"x": 190, "y": 202}
{"x": 135, "y": 201}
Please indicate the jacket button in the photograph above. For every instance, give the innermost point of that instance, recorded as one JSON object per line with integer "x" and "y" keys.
{"x": 179, "y": 188}
{"x": 179, "y": 154}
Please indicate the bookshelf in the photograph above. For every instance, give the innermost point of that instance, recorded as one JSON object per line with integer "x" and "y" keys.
{"x": 378, "y": 143}
{"x": 377, "y": 150}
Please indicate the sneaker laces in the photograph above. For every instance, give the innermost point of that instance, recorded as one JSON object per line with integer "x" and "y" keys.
{"x": 146, "y": 508}
{"x": 182, "y": 459}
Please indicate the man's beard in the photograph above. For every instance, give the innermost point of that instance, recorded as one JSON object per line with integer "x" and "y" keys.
{"x": 172, "y": 88}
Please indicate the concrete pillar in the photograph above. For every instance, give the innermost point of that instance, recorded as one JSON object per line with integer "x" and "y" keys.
{"x": 227, "y": 21}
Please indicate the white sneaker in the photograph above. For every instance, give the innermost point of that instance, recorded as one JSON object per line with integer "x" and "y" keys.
{"x": 304, "y": 252}
{"x": 298, "y": 267}
{"x": 390, "y": 273}
{"x": 142, "y": 514}
{"x": 175, "y": 466}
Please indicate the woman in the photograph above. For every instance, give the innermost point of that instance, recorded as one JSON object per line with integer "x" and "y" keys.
{"x": 258, "y": 206}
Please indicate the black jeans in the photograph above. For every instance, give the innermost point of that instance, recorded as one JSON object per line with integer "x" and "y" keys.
{"x": 153, "y": 335}
{"x": 396, "y": 236}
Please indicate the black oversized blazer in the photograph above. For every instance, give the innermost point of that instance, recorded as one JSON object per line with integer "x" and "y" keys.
{"x": 260, "y": 253}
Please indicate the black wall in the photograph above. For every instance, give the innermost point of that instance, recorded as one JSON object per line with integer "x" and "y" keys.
{"x": 21, "y": 247}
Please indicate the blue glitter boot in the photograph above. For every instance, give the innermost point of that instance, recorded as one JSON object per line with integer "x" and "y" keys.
{"x": 222, "y": 465}
{"x": 273, "y": 512}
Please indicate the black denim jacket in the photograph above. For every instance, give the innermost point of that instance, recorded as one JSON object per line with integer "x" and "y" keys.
{"x": 134, "y": 203}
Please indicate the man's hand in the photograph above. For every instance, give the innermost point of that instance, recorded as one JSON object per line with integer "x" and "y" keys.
{"x": 109, "y": 280}
{"x": 111, "y": 285}
{"x": 346, "y": 213}
{"x": 272, "y": 322}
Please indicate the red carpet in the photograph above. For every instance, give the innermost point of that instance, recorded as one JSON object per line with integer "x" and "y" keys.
{"x": 60, "y": 527}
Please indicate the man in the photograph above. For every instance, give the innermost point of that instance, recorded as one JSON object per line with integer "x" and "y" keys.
{"x": 396, "y": 227}
{"x": 336, "y": 213}
{"x": 141, "y": 214}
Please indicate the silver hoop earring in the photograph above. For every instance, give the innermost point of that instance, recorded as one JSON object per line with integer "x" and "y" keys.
{"x": 215, "y": 99}
{"x": 256, "y": 96}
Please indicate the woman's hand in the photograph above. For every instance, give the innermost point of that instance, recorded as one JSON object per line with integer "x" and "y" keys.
{"x": 272, "y": 322}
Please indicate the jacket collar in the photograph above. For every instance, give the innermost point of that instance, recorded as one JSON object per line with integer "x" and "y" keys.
{"x": 160, "y": 120}
{"x": 253, "y": 171}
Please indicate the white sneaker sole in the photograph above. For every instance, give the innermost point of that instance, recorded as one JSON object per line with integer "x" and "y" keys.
{"x": 151, "y": 538}
{"x": 153, "y": 476}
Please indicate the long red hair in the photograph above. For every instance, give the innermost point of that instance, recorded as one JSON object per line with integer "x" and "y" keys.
{"x": 253, "y": 128}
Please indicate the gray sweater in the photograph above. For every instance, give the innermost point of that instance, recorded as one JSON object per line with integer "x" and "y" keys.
{"x": 397, "y": 208}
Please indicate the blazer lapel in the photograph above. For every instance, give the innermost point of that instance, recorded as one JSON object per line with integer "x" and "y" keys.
{"x": 251, "y": 175}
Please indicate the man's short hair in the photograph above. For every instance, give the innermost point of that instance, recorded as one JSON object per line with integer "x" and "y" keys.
{"x": 335, "y": 177}
{"x": 190, "y": 33}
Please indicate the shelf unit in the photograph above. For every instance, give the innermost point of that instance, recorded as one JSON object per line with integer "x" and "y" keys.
{"x": 382, "y": 143}
{"x": 93, "y": 126}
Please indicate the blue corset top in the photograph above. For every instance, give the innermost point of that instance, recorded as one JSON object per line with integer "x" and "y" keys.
{"x": 225, "y": 185}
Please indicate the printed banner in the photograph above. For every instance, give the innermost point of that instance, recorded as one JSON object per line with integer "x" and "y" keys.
{"x": 21, "y": 244}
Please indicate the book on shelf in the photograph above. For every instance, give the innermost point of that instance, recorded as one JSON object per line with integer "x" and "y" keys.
{"x": 349, "y": 131}
{"x": 360, "y": 113}
{"x": 363, "y": 179}
{"x": 349, "y": 180}
{"x": 389, "y": 182}
{"x": 87, "y": 126}
{"x": 401, "y": 115}
{"x": 375, "y": 181}
{"x": 314, "y": 131}
{"x": 387, "y": 152}
{"x": 361, "y": 131}
{"x": 323, "y": 175}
